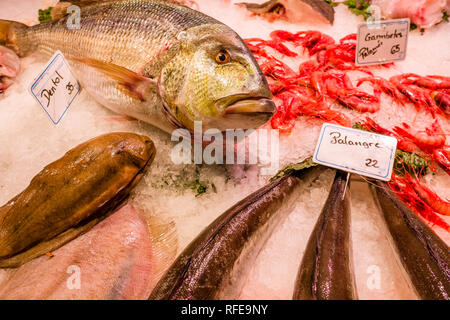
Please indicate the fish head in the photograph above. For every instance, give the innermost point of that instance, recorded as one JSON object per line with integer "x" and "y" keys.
{"x": 214, "y": 78}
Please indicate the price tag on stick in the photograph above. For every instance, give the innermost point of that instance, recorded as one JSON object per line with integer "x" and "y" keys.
{"x": 382, "y": 42}
{"x": 55, "y": 88}
{"x": 365, "y": 153}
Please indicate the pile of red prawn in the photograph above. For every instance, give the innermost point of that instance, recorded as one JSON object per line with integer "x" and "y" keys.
{"x": 322, "y": 80}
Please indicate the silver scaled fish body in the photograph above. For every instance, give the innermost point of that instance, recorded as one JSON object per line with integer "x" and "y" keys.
{"x": 156, "y": 61}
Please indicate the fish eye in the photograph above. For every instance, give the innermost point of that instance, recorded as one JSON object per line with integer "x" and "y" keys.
{"x": 223, "y": 57}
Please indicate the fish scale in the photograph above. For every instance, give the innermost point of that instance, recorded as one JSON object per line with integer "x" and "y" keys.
{"x": 142, "y": 28}
{"x": 126, "y": 33}
{"x": 155, "y": 61}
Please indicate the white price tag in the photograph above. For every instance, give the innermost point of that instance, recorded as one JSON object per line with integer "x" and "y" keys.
{"x": 55, "y": 88}
{"x": 356, "y": 151}
{"x": 382, "y": 42}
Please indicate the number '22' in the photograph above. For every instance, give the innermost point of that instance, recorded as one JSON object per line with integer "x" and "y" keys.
{"x": 372, "y": 163}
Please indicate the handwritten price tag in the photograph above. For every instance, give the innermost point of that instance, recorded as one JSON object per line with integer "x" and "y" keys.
{"x": 382, "y": 42}
{"x": 356, "y": 151}
{"x": 55, "y": 88}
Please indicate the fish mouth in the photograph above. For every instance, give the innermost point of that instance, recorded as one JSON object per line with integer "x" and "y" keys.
{"x": 247, "y": 105}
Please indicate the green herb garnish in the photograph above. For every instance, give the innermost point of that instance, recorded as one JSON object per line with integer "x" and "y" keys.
{"x": 409, "y": 162}
{"x": 45, "y": 15}
{"x": 358, "y": 126}
{"x": 359, "y": 7}
{"x": 294, "y": 167}
{"x": 198, "y": 187}
{"x": 331, "y": 3}
{"x": 444, "y": 16}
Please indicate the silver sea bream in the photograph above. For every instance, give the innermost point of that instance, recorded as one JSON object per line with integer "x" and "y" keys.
{"x": 156, "y": 61}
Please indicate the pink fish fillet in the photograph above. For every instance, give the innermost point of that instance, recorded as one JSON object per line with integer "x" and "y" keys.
{"x": 9, "y": 63}
{"x": 9, "y": 67}
{"x": 423, "y": 13}
{"x": 114, "y": 260}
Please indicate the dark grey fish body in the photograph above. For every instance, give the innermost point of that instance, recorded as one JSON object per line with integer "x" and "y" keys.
{"x": 204, "y": 268}
{"x": 425, "y": 257}
{"x": 326, "y": 271}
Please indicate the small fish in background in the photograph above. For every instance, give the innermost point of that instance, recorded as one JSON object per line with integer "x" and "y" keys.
{"x": 156, "y": 61}
{"x": 301, "y": 11}
{"x": 9, "y": 67}
{"x": 422, "y": 13}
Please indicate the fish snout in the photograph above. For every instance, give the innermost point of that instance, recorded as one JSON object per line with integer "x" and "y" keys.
{"x": 245, "y": 111}
{"x": 252, "y": 106}
{"x": 140, "y": 149}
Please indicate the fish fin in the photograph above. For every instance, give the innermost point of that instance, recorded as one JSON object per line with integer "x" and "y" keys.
{"x": 164, "y": 239}
{"x": 262, "y": 8}
{"x": 60, "y": 9}
{"x": 14, "y": 35}
{"x": 128, "y": 82}
{"x": 46, "y": 246}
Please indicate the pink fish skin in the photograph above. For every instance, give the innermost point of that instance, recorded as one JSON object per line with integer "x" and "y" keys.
{"x": 423, "y": 13}
{"x": 114, "y": 260}
{"x": 9, "y": 67}
{"x": 9, "y": 63}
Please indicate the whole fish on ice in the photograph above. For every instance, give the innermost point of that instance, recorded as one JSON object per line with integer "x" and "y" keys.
{"x": 156, "y": 61}
{"x": 72, "y": 194}
{"x": 425, "y": 257}
{"x": 326, "y": 271}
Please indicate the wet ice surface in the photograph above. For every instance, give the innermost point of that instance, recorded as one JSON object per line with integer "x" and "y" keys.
{"x": 379, "y": 274}
{"x": 276, "y": 267}
{"x": 29, "y": 141}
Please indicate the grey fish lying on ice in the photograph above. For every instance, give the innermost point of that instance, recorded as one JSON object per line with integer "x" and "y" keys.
{"x": 213, "y": 265}
{"x": 156, "y": 61}
{"x": 425, "y": 257}
{"x": 326, "y": 271}
{"x": 302, "y": 11}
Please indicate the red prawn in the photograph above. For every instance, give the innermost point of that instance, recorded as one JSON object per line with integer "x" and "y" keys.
{"x": 430, "y": 197}
{"x": 385, "y": 86}
{"x": 419, "y": 96}
{"x": 405, "y": 191}
{"x": 442, "y": 99}
{"x": 338, "y": 86}
{"x": 402, "y": 143}
{"x": 442, "y": 157}
{"x": 430, "y": 138}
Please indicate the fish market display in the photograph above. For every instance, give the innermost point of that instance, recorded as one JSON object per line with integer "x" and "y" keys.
{"x": 71, "y": 195}
{"x": 120, "y": 244}
{"x": 195, "y": 230}
{"x": 425, "y": 257}
{"x": 323, "y": 81}
{"x": 326, "y": 271}
{"x": 163, "y": 63}
{"x": 209, "y": 266}
{"x": 294, "y": 10}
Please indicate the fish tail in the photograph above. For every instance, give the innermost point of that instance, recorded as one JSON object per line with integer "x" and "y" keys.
{"x": 15, "y": 36}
